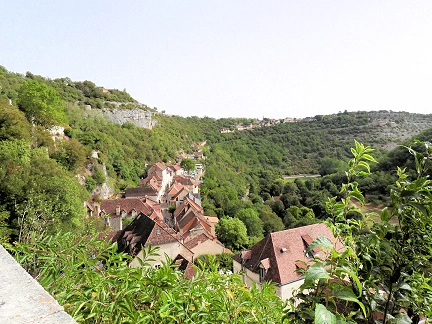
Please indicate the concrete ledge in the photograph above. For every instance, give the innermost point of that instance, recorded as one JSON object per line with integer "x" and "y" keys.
{"x": 23, "y": 299}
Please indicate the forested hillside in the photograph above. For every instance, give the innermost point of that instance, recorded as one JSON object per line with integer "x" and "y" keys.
{"x": 57, "y": 150}
{"x": 244, "y": 169}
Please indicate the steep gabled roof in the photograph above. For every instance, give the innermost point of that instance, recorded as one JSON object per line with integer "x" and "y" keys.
{"x": 155, "y": 184}
{"x": 153, "y": 175}
{"x": 184, "y": 265}
{"x": 186, "y": 181}
{"x": 140, "y": 192}
{"x": 175, "y": 189}
{"x": 183, "y": 190}
{"x": 279, "y": 252}
{"x": 143, "y": 231}
{"x": 160, "y": 166}
{"x": 186, "y": 205}
{"x": 176, "y": 167}
{"x": 201, "y": 238}
{"x": 193, "y": 204}
{"x": 212, "y": 219}
{"x": 108, "y": 206}
{"x": 189, "y": 216}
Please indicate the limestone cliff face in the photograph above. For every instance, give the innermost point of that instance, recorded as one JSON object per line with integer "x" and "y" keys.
{"x": 139, "y": 117}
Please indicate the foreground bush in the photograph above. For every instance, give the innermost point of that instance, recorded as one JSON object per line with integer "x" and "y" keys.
{"x": 95, "y": 285}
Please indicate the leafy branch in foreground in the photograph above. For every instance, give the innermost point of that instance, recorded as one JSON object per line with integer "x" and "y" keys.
{"x": 95, "y": 285}
{"x": 383, "y": 273}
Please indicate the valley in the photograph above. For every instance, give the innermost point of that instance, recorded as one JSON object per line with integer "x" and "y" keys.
{"x": 68, "y": 173}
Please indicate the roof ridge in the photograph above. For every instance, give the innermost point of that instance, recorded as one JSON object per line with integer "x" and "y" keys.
{"x": 262, "y": 250}
{"x": 277, "y": 264}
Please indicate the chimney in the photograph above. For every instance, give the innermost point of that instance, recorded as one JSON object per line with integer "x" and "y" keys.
{"x": 117, "y": 211}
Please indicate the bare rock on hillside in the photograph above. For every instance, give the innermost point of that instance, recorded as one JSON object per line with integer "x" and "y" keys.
{"x": 138, "y": 117}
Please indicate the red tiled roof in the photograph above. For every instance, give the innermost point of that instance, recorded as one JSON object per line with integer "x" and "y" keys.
{"x": 203, "y": 237}
{"x": 153, "y": 175}
{"x": 155, "y": 184}
{"x": 108, "y": 206}
{"x": 175, "y": 188}
{"x": 143, "y": 231}
{"x": 176, "y": 167}
{"x": 283, "y": 250}
{"x": 89, "y": 205}
{"x": 186, "y": 181}
{"x": 140, "y": 192}
{"x": 265, "y": 263}
{"x": 212, "y": 219}
{"x": 161, "y": 234}
{"x": 246, "y": 255}
{"x": 185, "y": 266}
{"x": 193, "y": 204}
{"x": 160, "y": 166}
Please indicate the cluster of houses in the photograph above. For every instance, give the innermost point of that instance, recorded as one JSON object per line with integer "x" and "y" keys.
{"x": 265, "y": 122}
{"x": 165, "y": 212}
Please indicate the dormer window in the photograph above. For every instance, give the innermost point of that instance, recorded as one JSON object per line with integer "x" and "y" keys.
{"x": 123, "y": 214}
{"x": 263, "y": 267}
{"x": 307, "y": 240}
{"x": 133, "y": 213}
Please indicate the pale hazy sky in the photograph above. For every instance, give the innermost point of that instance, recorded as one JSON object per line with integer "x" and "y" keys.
{"x": 232, "y": 58}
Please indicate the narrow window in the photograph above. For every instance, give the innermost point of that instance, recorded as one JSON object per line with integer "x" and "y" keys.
{"x": 262, "y": 273}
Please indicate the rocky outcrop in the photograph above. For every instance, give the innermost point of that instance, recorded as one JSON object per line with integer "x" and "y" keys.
{"x": 138, "y": 117}
{"x": 104, "y": 191}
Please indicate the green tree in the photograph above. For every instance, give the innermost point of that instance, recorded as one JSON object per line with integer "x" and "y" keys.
{"x": 188, "y": 165}
{"x": 271, "y": 222}
{"x": 330, "y": 166}
{"x": 250, "y": 218}
{"x": 41, "y": 104}
{"x": 71, "y": 154}
{"x": 232, "y": 232}
{"x": 13, "y": 123}
{"x": 385, "y": 267}
{"x": 36, "y": 192}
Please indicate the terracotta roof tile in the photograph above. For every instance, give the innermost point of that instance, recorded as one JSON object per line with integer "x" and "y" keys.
{"x": 109, "y": 206}
{"x": 212, "y": 219}
{"x": 265, "y": 263}
{"x": 140, "y": 192}
{"x": 186, "y": 181}
{"x": 203, "y": 237}
{"x": 185, "y": 266}
{"x": 283, "y": 250}
{"x": 143, "y": 231}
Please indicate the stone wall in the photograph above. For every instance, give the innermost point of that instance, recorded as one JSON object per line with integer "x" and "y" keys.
{"x": 23, "y": 299}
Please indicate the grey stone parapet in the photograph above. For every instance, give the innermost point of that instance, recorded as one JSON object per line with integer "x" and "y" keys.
{"x": 23, "y": 299}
